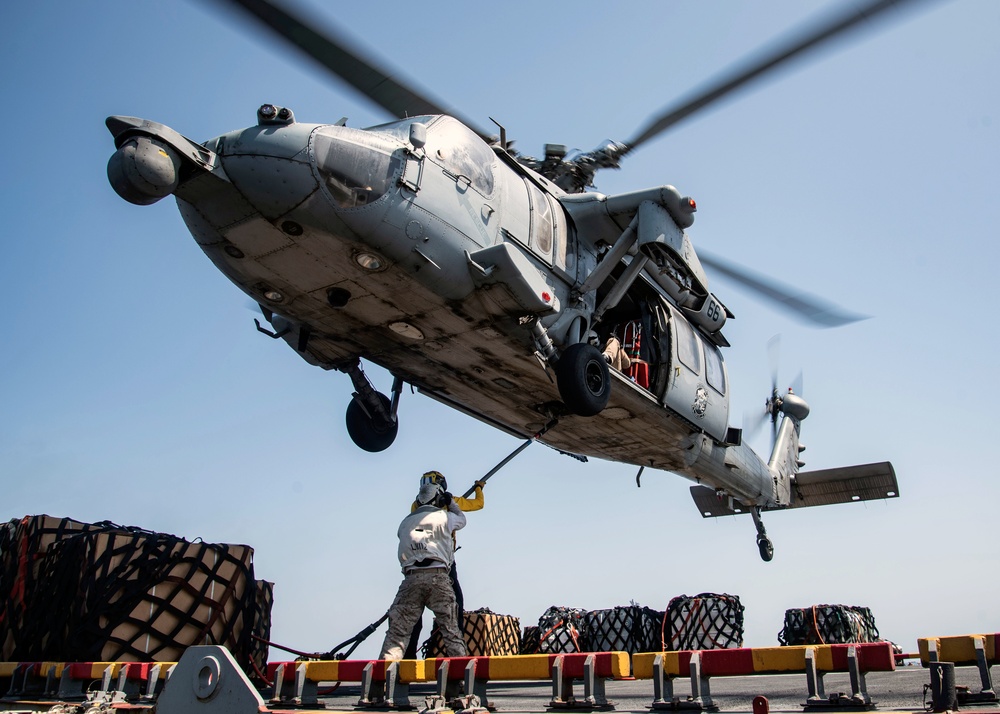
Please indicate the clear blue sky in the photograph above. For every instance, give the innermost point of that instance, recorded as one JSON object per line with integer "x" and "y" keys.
{"x": 134, "y": 387}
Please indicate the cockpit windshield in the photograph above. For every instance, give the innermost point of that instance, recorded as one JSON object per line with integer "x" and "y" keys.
{"x": 400, "y": 128}
{"x": 452, "y": 145}
{"x": 358, "y": 166}
{"x": 462, "y": 153}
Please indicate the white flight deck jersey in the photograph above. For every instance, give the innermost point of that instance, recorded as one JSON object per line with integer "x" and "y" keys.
{"x": 425, "y": 537}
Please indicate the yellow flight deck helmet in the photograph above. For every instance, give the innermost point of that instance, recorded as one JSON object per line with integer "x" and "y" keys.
{"x": 436, "y": 478}
{"x": 432, "y": 485}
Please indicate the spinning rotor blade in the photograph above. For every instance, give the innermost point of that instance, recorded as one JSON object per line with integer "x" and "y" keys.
{"x": 805, "y": 307}
{"x": 334, "y": 52}
{"x": 782, "y": 54}
{"x": 773, "y": 360}
{"x": 797, "y": 385}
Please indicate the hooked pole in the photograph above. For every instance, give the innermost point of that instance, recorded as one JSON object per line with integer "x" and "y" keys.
{"x": 511, "y": 455}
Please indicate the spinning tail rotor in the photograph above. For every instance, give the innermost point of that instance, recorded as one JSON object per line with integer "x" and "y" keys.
{"x": 773, "y": 405}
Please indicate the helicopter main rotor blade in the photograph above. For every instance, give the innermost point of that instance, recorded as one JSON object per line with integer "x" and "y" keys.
{"x": 336, "y": 53}
{"x": 805, "y": 307}
{"x": 773, "y": 359}
{"x": 753, "y": 68}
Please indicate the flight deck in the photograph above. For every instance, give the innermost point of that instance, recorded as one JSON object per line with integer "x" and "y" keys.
{"x": 948, "y": 673}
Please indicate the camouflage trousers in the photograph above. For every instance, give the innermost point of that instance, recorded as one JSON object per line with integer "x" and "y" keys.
{"x": 431, "y": 589}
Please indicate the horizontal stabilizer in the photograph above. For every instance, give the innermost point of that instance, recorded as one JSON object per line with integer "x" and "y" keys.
{"x": 712, "y": 504}
{"x": 849, "y": 484}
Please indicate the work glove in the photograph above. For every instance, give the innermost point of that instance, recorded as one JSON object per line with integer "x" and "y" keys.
{"x": 480, "y": 484}
{"x": 446, "y": 499}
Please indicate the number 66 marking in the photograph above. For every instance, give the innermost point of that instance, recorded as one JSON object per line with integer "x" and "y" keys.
{"x": 714, "y": 311}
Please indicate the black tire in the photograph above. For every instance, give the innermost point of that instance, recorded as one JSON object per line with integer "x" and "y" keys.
{"x": 583, "y": 378}
{"x": 372, "y": 436}
{"x": 766, "y": 548}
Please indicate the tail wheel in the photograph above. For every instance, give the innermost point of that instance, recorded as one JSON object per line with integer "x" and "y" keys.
{"x": 583, "y": 379}
{"x": 370, "y": 434}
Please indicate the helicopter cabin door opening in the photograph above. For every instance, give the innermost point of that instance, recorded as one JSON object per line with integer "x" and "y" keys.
{"x": 653, "y": 344}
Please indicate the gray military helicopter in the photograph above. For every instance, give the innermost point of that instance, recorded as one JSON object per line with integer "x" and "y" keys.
{"x": 493, "y": 282}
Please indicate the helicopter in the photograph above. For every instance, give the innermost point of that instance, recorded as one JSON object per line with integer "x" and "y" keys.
{"x": 499, "y": 284}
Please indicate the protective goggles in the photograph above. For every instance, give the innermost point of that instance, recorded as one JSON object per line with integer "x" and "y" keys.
{"x": 435, "y": 478}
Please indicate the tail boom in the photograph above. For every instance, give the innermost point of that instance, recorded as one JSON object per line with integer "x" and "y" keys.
{"x": 847, "y": 484}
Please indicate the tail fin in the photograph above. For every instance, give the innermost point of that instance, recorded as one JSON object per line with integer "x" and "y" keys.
{"x": 784, "y": 462}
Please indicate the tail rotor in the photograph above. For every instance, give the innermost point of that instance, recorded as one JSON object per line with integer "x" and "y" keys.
{"x": 776, "y": 400}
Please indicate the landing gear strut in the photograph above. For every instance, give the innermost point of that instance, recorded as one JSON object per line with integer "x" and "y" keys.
{"x": 764, "y": 544}
{"x": 371, "y": 416}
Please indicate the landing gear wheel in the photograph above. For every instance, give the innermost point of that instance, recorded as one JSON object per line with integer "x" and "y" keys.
{"x": 583, "y": 379}
{"x": 766, "y": 548}
{"x": 370, "y": 434}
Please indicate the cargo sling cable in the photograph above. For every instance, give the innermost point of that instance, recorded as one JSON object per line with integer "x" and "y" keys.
{"x": 332, "y": 654}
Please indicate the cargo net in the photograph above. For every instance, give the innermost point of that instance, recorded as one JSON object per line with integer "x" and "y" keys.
{"x": 529, "y": 640}
{"x": 72, "y": 591}
{"x": 704, "y": 622}
{"x": 562, "y": 629}
{"x": 828, "y": 625}
{"x": 486, "y": 634}
{"x": 623, "y": 629}
{"x": 260, "y": 631}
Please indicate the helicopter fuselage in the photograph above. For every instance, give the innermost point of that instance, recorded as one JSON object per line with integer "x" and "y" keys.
{"x": 415, "y": 246}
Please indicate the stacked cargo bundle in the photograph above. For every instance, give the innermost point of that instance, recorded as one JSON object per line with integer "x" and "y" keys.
{"x": 828, "y": 625}
{"x": 704, "y": 622}
{"x": 72, "y": 591}
{"x": 624, "y": 629}
{"x": 22, "y": 544}
{"x": 486, "y": 634}
{"x": 260, "y": 632}
{"x": 562, "y": 629}
{"x": 529, "y": 640}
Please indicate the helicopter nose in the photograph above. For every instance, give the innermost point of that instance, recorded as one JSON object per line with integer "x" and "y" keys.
{"x": 143, "y": 170}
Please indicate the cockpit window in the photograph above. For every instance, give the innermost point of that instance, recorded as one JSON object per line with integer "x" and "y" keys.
{"x": 715, "y": 373}
{"x": 541, "y": 222}
{"x": 357, "y": 166}
{"x": 462, "y": 153}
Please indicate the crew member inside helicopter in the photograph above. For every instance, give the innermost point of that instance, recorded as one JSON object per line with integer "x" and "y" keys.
{"x": 624, "y": 350}
{"x": 635, "y": 344}
{"x": 614, "y": 353}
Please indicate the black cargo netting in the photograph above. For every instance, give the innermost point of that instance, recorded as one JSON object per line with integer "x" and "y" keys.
{"x": 562, "y": 629}
{"x": 8, "y": 571}
{"x": 828, "y": 624}
{"x": 261, "y": 629}
{"x": 103, "y": 592}
{"x": 704, "y": 622}
{"x": 529, "y": 640}
{"x": 8, "y": 600}
{"x": 623, "y": 629}
{"x": 486, "y": 634}
{"x": 23, "y": 543}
